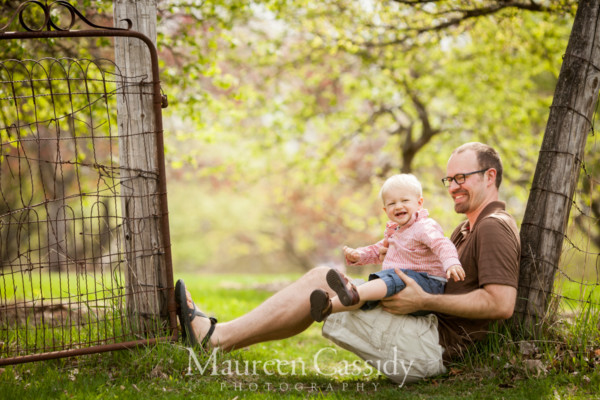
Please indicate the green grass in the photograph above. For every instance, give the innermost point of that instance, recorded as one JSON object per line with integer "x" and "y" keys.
{"x": 497, "y": 368}
{"x": 64, "y": 286}
{"x": 80, "y": 309}
{"x": 575, "y": 293}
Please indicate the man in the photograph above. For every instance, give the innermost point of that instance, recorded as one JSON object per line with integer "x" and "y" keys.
{"x": 403, "y": 347}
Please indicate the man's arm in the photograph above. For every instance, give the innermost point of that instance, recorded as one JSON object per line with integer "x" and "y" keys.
{"x": 490, "y": 302}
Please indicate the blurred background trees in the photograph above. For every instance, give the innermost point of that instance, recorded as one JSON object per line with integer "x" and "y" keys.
{"x": 285, "y": 117}
{"x": 297, "y": 111}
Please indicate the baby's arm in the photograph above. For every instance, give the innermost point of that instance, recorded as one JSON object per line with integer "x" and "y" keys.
{"x": 370, "y": 254}
{"x": 363, "y": 255}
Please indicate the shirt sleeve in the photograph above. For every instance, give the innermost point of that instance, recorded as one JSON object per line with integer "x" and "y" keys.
{"x": 368, "y": 254}
{"x": 498, "y": 253}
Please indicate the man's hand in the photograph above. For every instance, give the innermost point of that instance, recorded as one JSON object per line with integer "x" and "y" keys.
{"x": 408, "y": 300}
{"x": 456, "y": 272}
{"x": 351, "y": 254}
{"x": 383, "y": 250}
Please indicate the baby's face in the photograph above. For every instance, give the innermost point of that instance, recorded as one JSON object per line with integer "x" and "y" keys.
{"x": 400, "y": 204}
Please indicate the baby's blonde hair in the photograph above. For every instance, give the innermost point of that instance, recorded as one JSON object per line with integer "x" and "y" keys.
{"x": 403, "y": 181}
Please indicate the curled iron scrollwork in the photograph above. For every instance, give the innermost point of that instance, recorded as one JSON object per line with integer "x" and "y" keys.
{"x": 48, "y": 24}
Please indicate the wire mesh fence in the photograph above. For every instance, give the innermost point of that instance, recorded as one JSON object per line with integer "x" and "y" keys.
{"x": 577, "y": 285}
{"x": 68, "y": 195}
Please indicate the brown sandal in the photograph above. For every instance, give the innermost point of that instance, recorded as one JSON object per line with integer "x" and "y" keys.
{"x": 339, "y": 284}
{"x": 187, "y": 315}
{"x": 320, "y": 305}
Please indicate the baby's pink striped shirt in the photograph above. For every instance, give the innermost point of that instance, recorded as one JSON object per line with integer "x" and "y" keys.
{"x": 419, "y": 245}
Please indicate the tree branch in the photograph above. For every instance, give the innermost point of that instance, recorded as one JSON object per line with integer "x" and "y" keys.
{"x": 411, "y": 147}
{"x": 457, "y": 16}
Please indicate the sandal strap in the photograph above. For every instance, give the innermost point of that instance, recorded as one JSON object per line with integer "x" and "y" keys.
{"x": 213, "y": 321}
{"x": 196, "y": 313}
{"x": 206, "y": 339}
{"x": 354, "y": 293}
{"x": 327, "y": 311}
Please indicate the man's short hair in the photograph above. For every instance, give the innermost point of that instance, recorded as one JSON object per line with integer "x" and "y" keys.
{"x": 487, "y": 157}
{"x": 404, "y": 181}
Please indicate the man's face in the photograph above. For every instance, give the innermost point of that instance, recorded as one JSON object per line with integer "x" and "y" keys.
{"x": 471, "y": 194}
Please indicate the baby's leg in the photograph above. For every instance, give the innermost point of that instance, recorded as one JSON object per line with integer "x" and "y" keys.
{"x": 321, "y": 305}
{"x": 372, "y": 290}
{"x": 337, "y": 306}
{"x": 375, "y": 289}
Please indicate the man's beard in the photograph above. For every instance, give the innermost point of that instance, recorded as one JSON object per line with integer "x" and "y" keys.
{"x": 461, "y": 208}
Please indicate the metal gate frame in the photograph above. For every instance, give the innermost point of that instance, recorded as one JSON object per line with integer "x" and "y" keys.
{"x": 159, "y": 102}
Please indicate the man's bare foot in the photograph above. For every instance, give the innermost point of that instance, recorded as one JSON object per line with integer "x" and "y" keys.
{"x": 200, "y": 326}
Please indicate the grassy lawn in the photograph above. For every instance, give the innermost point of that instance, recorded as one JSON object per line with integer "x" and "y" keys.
{"x": 287, "y": 369}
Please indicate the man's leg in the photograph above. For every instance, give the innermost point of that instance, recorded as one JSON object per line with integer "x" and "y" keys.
{"x": 403, "y": 347}
{"x": 285, "y": 314}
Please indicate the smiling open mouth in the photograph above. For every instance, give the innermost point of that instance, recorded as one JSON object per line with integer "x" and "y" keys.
{"x": 460, "y": 196}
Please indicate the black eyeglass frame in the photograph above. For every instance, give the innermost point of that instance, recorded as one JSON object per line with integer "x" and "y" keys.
{"x": 447, "y": 181}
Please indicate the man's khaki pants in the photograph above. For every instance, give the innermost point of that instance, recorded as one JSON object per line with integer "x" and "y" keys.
{"x": 403, "y": 347}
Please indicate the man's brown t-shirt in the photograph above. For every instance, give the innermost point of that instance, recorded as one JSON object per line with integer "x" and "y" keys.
{"x": 489, "y": 253}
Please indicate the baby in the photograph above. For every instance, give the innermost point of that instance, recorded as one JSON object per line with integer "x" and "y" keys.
{"x": 417, "y": 246}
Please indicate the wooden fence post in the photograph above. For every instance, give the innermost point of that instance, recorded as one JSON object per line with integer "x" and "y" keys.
{"x": 139, "y": 183}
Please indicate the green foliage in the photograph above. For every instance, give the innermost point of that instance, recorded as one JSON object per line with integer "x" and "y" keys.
{"x": 284, "y": 119}
{"x": 301, "y": 109}
{"x": 319, "y": 102}
{"x": 313, "y": 105}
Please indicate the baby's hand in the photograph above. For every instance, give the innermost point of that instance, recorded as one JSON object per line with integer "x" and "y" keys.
{"x": 456, "y": 272}
{"x": 383, "y": 250}
{"x": 351, "y": 254}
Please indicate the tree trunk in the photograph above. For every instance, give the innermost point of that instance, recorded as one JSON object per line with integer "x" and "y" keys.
{"x": 145, "y": 270}
{"x": 558, "y": 168}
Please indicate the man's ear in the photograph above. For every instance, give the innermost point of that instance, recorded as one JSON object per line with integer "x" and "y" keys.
{"x": 491, "y": 175}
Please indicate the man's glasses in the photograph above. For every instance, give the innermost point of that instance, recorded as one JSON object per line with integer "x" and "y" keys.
{"x": 459, "y": 178}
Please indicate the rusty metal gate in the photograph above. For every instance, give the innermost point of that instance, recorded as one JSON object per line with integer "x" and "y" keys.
{"x": 85, "y": 262}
